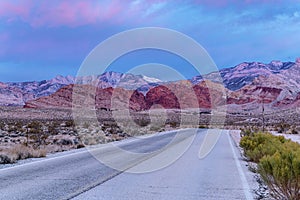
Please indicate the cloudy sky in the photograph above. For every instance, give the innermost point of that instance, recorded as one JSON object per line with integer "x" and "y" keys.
{"x": 41, "y": 39}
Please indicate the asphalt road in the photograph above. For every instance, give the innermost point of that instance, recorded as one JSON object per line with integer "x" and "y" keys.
{"x": 79, "y": 175}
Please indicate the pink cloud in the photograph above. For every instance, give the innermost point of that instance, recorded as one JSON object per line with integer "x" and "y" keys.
{"x": 63, "y": 12}
{"x": 11, "y": 10}
{"x": 74, "y": 13}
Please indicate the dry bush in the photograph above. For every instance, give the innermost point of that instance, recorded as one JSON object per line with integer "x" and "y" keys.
{"x": 19, "y": 152}
{"x": 6, "y": 158}
{"x": 24, "y": 152}
{"x": 282, "y": 127}
{"x": 2, "y": 125}
{"x": 70, "y": 123}
{"x": 156, "y": 128}
{"x": 53, "y": 128}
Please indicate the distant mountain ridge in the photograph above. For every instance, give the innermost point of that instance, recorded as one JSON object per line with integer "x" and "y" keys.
{"x": 17, "y": 94}
{"x": 235, "y": 78}
{"x": 276, "y": 84}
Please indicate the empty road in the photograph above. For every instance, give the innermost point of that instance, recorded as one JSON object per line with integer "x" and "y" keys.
{"x": 219, "y": 175}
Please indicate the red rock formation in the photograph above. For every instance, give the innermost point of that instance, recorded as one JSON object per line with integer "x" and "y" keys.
{"x": 138, "y": 102}
{"x": 60, "y": 99}
{"x": 177, "y": 95}
{"x": 87, "y": 95}
{"x": 163, "y": 96}
{"x": 253, "y": 93}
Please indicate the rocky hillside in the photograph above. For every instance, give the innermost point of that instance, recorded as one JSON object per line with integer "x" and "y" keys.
{"x": 235, "y": 78}
{"x": 176, "y": 95}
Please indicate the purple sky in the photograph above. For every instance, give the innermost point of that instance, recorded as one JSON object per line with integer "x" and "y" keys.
{"x": 40, "y": 39}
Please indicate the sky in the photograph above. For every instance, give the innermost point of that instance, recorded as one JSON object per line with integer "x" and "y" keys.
{"x": 41, "y": 39}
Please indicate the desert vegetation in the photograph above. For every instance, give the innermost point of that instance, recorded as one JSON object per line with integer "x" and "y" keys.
{"x": 278, "y": 163}
{"x": 53, "y": 130}
{"x": 40, "y": 134}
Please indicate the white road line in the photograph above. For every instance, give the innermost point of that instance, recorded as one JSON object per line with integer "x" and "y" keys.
{"x": 241, "y": 172}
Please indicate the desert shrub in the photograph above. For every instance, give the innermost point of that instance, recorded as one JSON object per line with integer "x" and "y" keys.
{"x": 261, "y": 144}
{"x": 249, "y": 131}
{"x": 70, "y": 123}
{"x": 86, "y": 125}
{"x": 19, "y": 152}
{"x": 2, "y": 125}
{"x": 53, "y": 128}
{"x": 282, "y": 127}
{"x": 174, "y": 124}
{"x": 79, "y": 146}
{"x": 7, "y": 159}
{"x": 38, "y": 139}
{"x": 65, "y": 141}
{"x": 34, "y": 125}
{"x": 155, "y": 128}
{"x": 293, "y": 130}
{"x": 281, "y": 172}
{"x": 23, "y": 152}
{"x": 202, "y": 126}
{"x": 11, "y": 128}
{"x": 90, "y": 140}
{"x": 142, "y": 121}
{"x": 278, "y": 163}
{"x": 18, "y": 125}
{"x": 246, "y": 132}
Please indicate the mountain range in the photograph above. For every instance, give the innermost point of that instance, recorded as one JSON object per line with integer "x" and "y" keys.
{"x": 17, "y": 94}
{"x": 276, "y": 84}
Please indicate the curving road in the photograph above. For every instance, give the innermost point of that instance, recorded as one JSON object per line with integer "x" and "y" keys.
{"x": 220, "y": 175}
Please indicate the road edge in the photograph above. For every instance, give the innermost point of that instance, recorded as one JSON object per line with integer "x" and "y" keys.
{"x": 259, "y": 188}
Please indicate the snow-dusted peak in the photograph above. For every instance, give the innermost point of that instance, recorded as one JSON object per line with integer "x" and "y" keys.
{"x": 151, "y": 79}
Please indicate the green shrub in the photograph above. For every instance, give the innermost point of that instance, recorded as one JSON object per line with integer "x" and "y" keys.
{"x": 261, "y": 144}
{"x": 278, "y": 163}
{"x": 281, "y": 172}
{"x": 249, "y": 131}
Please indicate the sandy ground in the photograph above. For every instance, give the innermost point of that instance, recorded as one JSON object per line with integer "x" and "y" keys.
{"x": 295, "y": 138}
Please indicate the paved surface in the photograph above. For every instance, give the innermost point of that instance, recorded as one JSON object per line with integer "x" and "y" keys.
{"x": 220, "y": 175}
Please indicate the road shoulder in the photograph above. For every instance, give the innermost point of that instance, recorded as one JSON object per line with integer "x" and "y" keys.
{"x": 259, "y": 189}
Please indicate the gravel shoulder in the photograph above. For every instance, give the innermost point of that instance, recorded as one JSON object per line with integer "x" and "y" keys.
{"x": 259, "y": 188}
